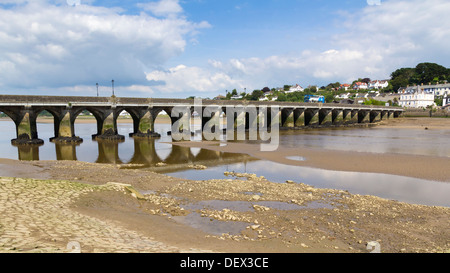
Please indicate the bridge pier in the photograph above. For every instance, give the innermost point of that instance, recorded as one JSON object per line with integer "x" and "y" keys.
{"x": 144, "y": 123}
{"x": 236, "y": 125}
{"x": 263, "y": 118}
{"x": 325, "y": 117}
{"x": 375, "y": 116}
{"x": 346, "y": 116}
{"x": 26, "y": 128}
{"x": 363, "y": 116}
{"x": 390, "y": 114}
{"x": 312, "y": 117}
{"x": 211, "y": 123}
{"x": 181, "y": 123}
{"x": 65, "y": 128}
{"x": 287, "y": 118}
{"x": 299, "y": 117}
{"x": 251, "y": 122}
{"x": 107, "y": 126}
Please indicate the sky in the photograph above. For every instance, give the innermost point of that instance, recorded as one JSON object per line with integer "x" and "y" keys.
{"x": 182, "y": 48}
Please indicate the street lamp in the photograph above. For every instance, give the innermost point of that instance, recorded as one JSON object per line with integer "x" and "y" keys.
{"x": 97, "y": 88}
{"x": 113, "y": 87}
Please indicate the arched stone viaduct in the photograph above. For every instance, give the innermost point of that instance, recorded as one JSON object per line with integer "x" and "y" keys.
{"x": 23, "y": 110}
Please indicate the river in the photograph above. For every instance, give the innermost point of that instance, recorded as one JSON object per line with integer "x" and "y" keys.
{"x": 151, "y": 152}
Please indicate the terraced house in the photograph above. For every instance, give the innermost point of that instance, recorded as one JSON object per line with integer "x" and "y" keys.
{"x": 416, "y": 97}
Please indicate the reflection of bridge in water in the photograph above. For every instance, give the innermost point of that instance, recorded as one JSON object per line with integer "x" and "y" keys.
{"x": 145, "y": 153}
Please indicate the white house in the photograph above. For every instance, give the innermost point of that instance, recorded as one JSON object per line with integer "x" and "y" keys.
{"x": 378, "y": 84}
{"x": 295, "y": 88}
{"x": 344, "y": 86}
{"x": 343, "y": 96}
{"x": 437, "y": 89}
{"x": 360, "y": 85}
{"x": 416, "y": 97}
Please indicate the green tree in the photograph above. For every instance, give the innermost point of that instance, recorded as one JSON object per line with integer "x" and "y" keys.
{"x": 329, "y": 97}
{"x": 401, "y": 78}
{"x": 430, "y": 72}
{"x": 255, "y": 95}
{"x": 282, "y": 97}
{"x": 373, "y": 102}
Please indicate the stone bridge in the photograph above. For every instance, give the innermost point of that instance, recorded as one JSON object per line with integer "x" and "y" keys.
{"x": 23, "y": 110}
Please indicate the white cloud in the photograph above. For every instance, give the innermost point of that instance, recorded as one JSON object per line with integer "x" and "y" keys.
{"x": 183, "y": 79}
{"x": 376, "y": 41}
{"x": 50, "y": 45}
{"x": 163, "y": 7}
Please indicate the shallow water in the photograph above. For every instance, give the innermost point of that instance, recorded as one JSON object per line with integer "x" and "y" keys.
{"x": 406, "y": 189}
{"x": 373, "y": 140}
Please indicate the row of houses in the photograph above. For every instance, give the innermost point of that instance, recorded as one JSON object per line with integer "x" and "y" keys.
{"x": 416, "y": 96}
{"x": 360, "y": 97}
{"x": 370, "y": 85}
{"x": 298, "y": 88}
{"x": 419, "y": 96}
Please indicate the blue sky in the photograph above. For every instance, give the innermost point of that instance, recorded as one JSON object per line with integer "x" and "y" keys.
{"x": 180, "y": 48}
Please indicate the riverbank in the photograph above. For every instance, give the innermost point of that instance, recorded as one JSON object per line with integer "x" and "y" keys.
{"x": 243, "y": 213}
{"x": 78, "y": 205}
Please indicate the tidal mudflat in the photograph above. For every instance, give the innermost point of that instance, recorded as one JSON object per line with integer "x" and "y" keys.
{"x": 118, "y": 208}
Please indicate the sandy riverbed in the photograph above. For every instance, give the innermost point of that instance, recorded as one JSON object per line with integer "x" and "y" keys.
{"x": 325, "y": 220}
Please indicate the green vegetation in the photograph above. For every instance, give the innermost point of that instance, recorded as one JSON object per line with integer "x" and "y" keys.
{"x": 423, "y": 73}
{"x": 374, "y": 102}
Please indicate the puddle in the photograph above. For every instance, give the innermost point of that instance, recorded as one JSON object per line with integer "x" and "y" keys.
{"x": 296, "y": 158}
{"x": 211, "y": 226}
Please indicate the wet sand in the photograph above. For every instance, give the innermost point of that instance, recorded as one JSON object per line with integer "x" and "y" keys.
{"x": 154, "y": 217}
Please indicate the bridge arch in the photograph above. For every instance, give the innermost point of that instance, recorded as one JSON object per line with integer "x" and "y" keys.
{"x": 56, "y": 113}
{"x": 9, "y": 113}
